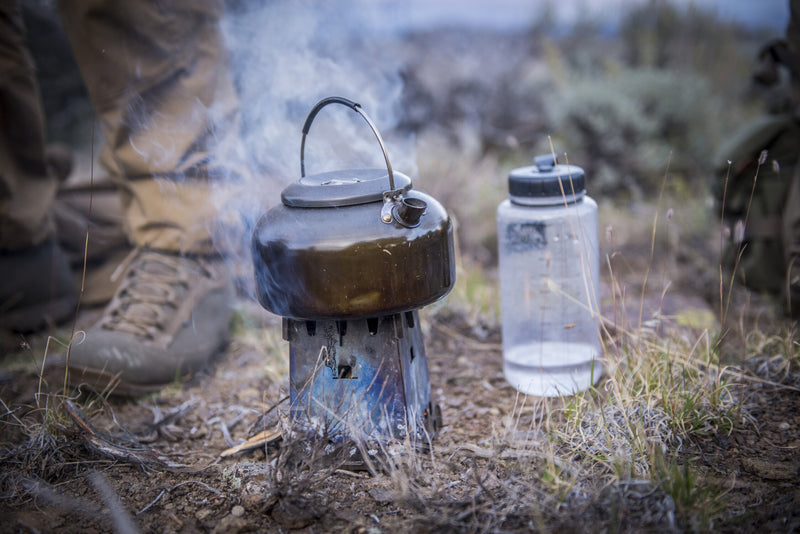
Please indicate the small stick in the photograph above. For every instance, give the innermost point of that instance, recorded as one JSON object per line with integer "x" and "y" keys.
{"x": 263, "y": 438}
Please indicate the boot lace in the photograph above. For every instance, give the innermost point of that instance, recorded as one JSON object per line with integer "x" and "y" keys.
{"x": 153, "y": 287}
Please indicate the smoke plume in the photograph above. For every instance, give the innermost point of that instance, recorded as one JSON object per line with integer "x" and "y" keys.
{"x": 286, "y": 55}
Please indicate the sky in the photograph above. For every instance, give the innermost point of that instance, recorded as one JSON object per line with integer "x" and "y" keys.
{"x": 518, "y": 14}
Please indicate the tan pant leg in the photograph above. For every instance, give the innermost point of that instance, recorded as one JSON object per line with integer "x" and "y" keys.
{"x": 27, "y": 190}
{"x": 157, "y": 74}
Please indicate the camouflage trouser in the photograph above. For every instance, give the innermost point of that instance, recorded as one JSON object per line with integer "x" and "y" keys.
{"x": 761, "y": 193}
{"x": 27, "y": 190}
{"x": 156, "y": 73}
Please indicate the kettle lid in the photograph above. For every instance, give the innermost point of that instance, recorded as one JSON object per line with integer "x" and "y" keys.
{"x": 342, "y": 188}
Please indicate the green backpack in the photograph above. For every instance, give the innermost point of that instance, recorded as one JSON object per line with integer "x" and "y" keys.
{"x": 759, "y": 193}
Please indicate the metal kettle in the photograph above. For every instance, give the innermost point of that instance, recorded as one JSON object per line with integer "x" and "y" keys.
{"x": 352, "y": 243}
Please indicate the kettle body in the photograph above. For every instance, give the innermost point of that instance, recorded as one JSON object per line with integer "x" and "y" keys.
{"x": 342, "y": 261}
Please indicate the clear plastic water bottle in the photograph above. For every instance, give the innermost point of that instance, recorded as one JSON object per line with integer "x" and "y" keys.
{"x": 548, "y": 258}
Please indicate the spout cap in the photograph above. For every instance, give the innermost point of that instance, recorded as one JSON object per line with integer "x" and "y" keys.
{"x": 410, "y": 211}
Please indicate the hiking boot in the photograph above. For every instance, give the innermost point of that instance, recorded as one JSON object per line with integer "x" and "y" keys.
{"x": 168, "y": 318}
{"x": 36, "y": 288}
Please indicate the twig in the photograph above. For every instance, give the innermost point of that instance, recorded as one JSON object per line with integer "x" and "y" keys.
{"x": 173, "y": 488}
{"x": 226, "y": 433}
{"x": 107, "y": 448}
{"x": 350, "y": 473}
{"x": 11, "y": 412}
{"x": 265, "y": 414}
{"x": 146, "y": 508}
{"x": 158, "y": 427}
{"x": 206, "y": 486}
{"x": 159, "y": 419}
{"x": 262, "y": 439}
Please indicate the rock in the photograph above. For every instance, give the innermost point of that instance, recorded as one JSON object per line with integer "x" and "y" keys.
{"x": 231, "y": 524}
{"x": 293, "y": 514}
{"x": 381, "y": 495}
{"x": 770, "y": 470}
{"x": 204, "y": 513}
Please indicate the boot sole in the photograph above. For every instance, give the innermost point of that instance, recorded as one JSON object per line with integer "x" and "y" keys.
{"x": 104, "y": 382}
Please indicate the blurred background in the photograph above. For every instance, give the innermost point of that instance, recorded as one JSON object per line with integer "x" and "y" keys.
{"x": 640, "y": 93}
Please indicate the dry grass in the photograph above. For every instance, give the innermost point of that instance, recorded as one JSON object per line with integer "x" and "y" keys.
{"x": 622, "y": 456}
{"x": 616, "y": 457}
{"x": 627, "y": 443}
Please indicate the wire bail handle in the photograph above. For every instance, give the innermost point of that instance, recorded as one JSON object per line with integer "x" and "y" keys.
{"x": 405, "y": 211}
{"x": 355, "y": 107}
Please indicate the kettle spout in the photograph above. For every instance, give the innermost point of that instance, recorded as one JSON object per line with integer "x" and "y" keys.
{"x": 409, "y": 211}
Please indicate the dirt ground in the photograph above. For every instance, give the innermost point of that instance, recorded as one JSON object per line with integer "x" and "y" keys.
{"x": 88, "y": 463}
{"x": 154, "y": 464}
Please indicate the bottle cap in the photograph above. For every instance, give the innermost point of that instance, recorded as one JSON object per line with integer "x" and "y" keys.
{"x": 542, "y": 182}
